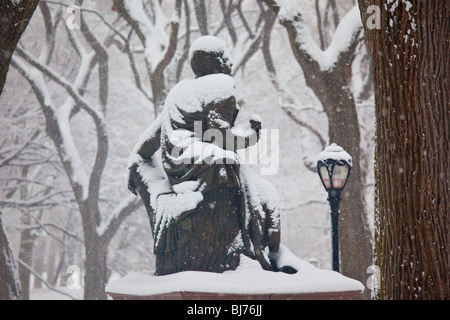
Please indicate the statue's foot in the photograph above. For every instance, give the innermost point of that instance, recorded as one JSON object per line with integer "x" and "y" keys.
{"x": 285, "y": 261}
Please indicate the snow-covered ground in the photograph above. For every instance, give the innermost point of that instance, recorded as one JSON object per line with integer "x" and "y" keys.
{"x": 47, "y": 294}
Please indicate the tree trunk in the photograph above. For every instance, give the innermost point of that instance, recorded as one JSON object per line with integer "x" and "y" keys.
{"x": 95, "y": 277}
{"x": 14, "y": 18}
{"x": 410, "y": 64}
{"x": 27, "y": 239}
{"x": 9, "y": 284}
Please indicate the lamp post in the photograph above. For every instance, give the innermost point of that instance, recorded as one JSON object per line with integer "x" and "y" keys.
{"x": 333, "y": 167}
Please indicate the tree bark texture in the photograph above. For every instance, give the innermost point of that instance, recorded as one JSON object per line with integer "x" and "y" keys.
{"x": 14, "y": 18}
{"x": 27, "y": 239}
{"x": 95, "y": 270}
{"x": 9, "y": 277}
{"x": 410, "y": 56}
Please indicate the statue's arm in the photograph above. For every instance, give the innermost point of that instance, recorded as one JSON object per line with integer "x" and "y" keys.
{"x": 150, "y": 145}
{"x": 246, "y": 135}
{"x": 221, "y": 117}
{"x": 145, "y": 148}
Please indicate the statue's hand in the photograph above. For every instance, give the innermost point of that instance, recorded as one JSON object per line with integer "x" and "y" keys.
{"x": 132, "y": 185}
{"x": 256, "y": 124}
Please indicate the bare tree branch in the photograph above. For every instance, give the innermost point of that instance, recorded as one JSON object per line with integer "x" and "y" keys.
{"x": 227, "y": 10}
{"x": 37, "y": 275}
{"x": 119, "y": 214}
{"x": 201, "y": 15}
{"x": 62, "y": 229}
{"x": 244, "y": 20}
{"x": 289, "y": 112}
{"x": 160, "y": 48}
{"x": 30, "y": 203}
{"x": 286, "y": 99}
{"x": 171, "y": 48}
{"x": 187, "y": 41}
{"x": 336, "y": 20}
{"x": 319, "y": 25}
{"x": 50, "y": 32}
{"x": 20, "y": 149}
{"x": 134, "y": 69}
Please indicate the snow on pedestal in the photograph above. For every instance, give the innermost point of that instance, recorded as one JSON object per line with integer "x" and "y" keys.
{"x": 248, "y": 281}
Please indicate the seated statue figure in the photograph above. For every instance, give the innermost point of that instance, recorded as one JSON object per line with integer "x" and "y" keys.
{"x": 205, "y": 208}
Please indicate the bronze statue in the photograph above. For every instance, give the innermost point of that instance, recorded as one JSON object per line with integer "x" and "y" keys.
{"x": 205, "y": 208}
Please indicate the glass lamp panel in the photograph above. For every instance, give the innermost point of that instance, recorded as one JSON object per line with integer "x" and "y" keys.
{"x": 325, "y": 176}
{"x": 340, "y": 173}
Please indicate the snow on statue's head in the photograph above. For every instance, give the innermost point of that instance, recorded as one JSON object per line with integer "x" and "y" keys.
{"x": 208, "y": 55}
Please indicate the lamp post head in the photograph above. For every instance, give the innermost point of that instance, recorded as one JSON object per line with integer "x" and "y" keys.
{"x": 333, "y": 167}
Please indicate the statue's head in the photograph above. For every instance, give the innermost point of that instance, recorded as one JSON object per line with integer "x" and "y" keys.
{"x": 208, "y": 55}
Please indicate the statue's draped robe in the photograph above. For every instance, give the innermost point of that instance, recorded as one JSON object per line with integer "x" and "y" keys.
{"x": 205, "y": 208}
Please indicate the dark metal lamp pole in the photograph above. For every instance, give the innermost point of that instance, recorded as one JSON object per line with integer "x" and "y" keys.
{"x": 333, "y": 167}
{"x": 334, "y": 201}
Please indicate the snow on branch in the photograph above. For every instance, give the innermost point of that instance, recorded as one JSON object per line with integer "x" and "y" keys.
{"x": 348, "y": 35}
{"x": 150, "y": 23}
{"x": 169, "y": 51}
{"x": 286, "y": 99}
{"x": 96, "y": 115}
{"x": 73, "y": 92}
{"x": 245, "y": 47}
{"x": 57, "y": 124}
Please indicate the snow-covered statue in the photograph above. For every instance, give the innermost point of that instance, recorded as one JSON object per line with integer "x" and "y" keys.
{"x": 205, "y": 208}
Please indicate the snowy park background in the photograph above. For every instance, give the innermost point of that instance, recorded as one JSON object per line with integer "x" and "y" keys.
{"x": 40, "y": 211}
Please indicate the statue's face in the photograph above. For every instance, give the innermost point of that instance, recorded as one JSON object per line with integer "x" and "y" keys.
{"x": 204, "y": 63}
{"x": 227, "y": 65}
{"x": 209, "y": 55}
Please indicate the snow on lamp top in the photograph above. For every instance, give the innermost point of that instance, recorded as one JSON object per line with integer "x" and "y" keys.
{"x": 335, "y": 152}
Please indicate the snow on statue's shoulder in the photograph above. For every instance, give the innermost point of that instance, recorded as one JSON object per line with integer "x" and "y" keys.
{"x": 191, "y": 95}
{"x": 215, "y": 87}
{"x": 183, "y": 96}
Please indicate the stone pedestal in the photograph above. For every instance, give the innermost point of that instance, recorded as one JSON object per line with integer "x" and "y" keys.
{"x": 245, "y": 283}
{"x": 339, "y": 295}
